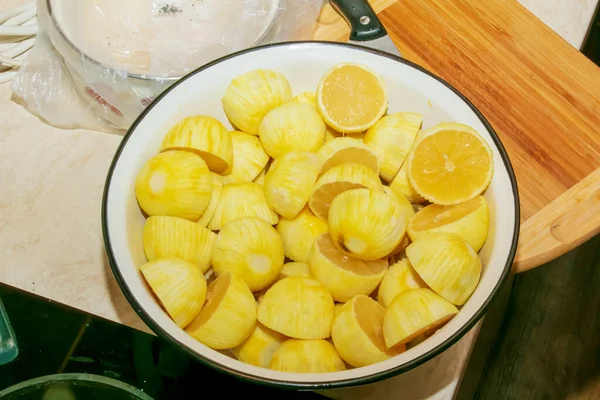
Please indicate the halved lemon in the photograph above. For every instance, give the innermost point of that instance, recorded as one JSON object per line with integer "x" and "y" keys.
{"x": 338, "y": 180}
{"x": 470, "y": 220}
{"x": 344, "y": 150}
{"x": 294, "y": 269}
{"x": 357, "y": 333}
{"x": 450, "y": 164}
{"x": 249, "y": 158}
{"x": 258, "y": 349}
{"x": 307, "y": 356}
{"x": 413, "y": 313}
{"x": 447, "y": 264}
{"x": 343, "y": 276}
{"x": 299, "y": 233}
{"x": 351, "y": 97}
{"x": 229, "y": 315}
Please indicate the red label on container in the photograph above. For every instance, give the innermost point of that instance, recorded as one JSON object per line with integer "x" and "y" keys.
{"x": 100, "y": 100}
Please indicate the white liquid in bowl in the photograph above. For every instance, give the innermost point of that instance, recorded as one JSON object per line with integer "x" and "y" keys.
{"x": 162, "y": 37}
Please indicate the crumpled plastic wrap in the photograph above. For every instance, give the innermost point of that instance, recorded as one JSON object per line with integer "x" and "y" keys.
{"x": 96, "y": 64}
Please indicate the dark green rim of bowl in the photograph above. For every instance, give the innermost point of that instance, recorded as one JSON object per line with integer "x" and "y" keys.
{"x": 376, "y": 377}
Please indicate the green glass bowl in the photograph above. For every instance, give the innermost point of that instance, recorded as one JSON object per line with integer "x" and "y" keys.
{"x": 73, "y": 387}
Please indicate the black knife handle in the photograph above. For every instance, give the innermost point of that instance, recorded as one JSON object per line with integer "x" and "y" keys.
{"x": 363, "y": 21}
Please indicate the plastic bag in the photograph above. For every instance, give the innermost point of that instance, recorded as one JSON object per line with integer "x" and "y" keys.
{"x": 96, "y": 64}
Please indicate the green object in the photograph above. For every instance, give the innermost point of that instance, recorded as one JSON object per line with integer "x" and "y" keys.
{"x": 73, "y": 387}
{"x": 8, "y": 342}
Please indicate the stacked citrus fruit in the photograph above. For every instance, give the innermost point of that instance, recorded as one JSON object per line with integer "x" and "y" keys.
{"x": 296, "y": 215}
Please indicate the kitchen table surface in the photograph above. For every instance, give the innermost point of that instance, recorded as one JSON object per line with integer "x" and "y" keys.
{"x": 539, "y": 93}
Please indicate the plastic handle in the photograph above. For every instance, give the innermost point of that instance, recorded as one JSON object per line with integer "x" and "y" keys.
{"x": 8, "y": 342}
{"x": 363, "y": 21}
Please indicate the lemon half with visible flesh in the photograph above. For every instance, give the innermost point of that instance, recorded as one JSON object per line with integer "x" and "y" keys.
{"x": 229, "y": 315}
{"x": 351, "y": 97}
{"x": 299, "y": 233}
{"x": 338, "y": 180}
{"x": 307, "y": 356}
{"x": 297, "y": 307}
{"x": 447, "y": 264}
{"x": 450, "y": 164}
{"x": 174, "y": 183}
{"x": 399, "y": 278}
{"x": 368, "y": 224}
{"x": 205, "y": 136}
{"x": 344, "y": 150}
{"x": 357, "y": 333}
{"x": 343, "y": 276}
{"x": 172, "y": 237}
{"x": 179, "y": 286}
{"x": 413, "y": 313}
{"x": 251, "y": 249}
{"x": 470, "y": 220}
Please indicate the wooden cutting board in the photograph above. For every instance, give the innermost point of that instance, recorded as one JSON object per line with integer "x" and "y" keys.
{"x": 540, "y": 94}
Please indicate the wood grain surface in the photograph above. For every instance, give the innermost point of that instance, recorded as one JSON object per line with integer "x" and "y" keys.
{"x": 539, "y": 93}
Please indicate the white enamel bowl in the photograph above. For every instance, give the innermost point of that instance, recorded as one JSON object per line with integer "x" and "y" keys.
{"x": 409, "y": 87}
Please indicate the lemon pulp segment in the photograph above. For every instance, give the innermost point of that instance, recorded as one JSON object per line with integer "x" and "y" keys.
{"x": 251, "y": 249}
{"x": 174, "y": 183}
{"x": 179, "y": 286}
{"x": 204, "y": 135}
{"x": 343, "y": 275}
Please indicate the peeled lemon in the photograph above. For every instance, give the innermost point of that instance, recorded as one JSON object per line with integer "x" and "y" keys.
{"x": 172, "y": 237}
{"x": 450, "y": 163}
{"x": 229, "y": 315}
{"x": 368, "y": 224}
{"x": 249, "y": 158}
{"x": 299, "y": 233}
{"x": 402, "y": 186}
{"x": 307, "y": 356}
{"x": 297, "y": 307}
{"x": 399, "y": 278}
{"x": 351, "y": 97}
{"x": 338, "y": 308}
{"x": 259, "y": 347}
{"x": 291, "y": 126}
{"x": 306, "y": 98}
{"x": 357, "y": 333}
{"x": 175, "y": 183}
{"x": 294, "y": 269}
{"x": 249, "y": 97}
{"x": 405, "y": 204}
{"x": 413, "y": 313}
{"x": 242, "y": 200}
{"x": 447, "y": 263}
{"x": 251, "y": 249}
{"x": 289, "y": 182}
{"x": 343, "y": 276}
{"x": 260, "y": 179}
{"x": 179, "y": 286}
{"x": 338, "y": 180}
{"x": 205, "y": 136}
{"x": 393, "y": 135}
{"x": 344, "y": 150}
{"x": 215, "y": 197}
{"x": 470, "y": 220}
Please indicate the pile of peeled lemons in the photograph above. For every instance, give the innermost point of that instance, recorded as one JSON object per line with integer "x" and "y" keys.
{"x": 324, "y": 233}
